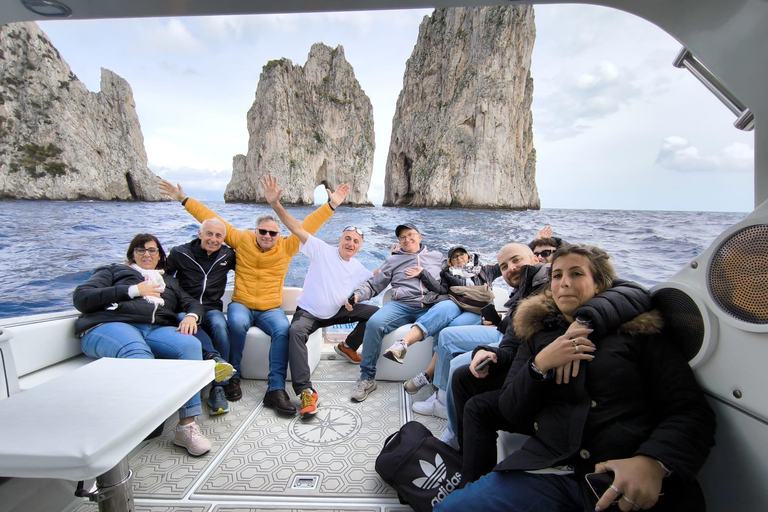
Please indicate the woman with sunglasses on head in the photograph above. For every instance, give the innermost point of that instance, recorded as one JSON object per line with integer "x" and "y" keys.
{"x": 130, "y": 310}
{"x": 633, "y": 412}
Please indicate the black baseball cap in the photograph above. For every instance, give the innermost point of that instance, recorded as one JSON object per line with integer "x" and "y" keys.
{"x": 403, "y": 227}
{"x": 456, "y": 248}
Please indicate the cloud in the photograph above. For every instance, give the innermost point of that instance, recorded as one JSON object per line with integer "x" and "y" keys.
{"x": 172, "y": 36}
{"x": 203, "y": 184}
{"x": 163, "y": 153}
{"x": 677, "y": 154}
{"x": 584, "y": 98}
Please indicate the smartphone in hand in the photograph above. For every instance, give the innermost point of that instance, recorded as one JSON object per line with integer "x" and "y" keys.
{"x": 489, "y": 313}
{"x": 600, "y": 482}
{"x": 482, "y": 364}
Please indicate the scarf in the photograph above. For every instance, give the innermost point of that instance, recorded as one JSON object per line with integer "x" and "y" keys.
{"x": 155, "y": 277}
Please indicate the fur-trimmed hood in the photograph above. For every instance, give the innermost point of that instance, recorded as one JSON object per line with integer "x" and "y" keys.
{"x": 539, "y": 311}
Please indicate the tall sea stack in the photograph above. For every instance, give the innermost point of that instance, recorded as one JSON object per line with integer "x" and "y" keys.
{"x": 462, "y": 132}
{"x": 57, "y": 139}
{"x": 308, "y": 126}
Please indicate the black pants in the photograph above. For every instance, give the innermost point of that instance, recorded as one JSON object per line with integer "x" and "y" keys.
{"x": 304, "y": 324}
{"x": 477, "y": 411}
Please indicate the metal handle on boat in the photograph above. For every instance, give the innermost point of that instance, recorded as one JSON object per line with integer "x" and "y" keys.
{"x": 685, "y": 59}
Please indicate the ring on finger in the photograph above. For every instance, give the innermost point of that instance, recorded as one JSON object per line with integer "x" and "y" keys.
{"x": 615, "y": 489}
{"x": 631, "y": 502}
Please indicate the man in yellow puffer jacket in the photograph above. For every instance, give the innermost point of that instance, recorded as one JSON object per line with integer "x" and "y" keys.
{"x": 263, "y": 258}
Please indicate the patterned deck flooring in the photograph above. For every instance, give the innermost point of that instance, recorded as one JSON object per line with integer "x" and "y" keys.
{"x": 262, "y": 462}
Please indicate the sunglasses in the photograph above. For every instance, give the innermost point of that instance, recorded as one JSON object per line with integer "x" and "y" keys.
{"x": 544, "y": 254}
{"x": 273, "y": 234}
{"x": 140, "y": 251}
{"x": 355, "y": 229}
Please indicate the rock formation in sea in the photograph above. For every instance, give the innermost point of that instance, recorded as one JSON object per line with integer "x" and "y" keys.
{"x": 462, "y": 132}
{"x": 57, "y": 139}
{"x": 308, "y": 126}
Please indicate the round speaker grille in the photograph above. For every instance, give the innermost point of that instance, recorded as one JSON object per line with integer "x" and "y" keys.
{"x": 738, "y": 275}
{"x": 683, "y": 323}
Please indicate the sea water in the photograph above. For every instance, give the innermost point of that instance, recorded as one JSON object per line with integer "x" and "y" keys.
{"x": 49, "y": 247}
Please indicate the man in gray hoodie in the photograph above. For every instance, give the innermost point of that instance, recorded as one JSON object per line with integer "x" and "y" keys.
{"x": 410, "y": 299}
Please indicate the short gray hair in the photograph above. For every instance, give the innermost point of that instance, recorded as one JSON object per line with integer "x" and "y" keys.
{"x": 267, "y": 217}
{"x": 213, "y": 220}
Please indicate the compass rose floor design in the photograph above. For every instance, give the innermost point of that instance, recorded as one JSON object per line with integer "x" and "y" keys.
{"x": 262, "y": 462}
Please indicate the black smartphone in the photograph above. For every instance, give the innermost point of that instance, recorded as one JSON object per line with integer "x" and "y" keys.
{"x": 351, "y": 299}
{"x": 489, "y": 313}
{"x": 600, "y": 482}
{"x": 482, "y": 364}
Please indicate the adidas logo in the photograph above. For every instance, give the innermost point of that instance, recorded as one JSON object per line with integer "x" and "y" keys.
{"x": 435, "y": 476}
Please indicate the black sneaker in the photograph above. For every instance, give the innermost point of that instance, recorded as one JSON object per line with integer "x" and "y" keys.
{"x": 232, "y": 390}
{"x": 217, "y": 401}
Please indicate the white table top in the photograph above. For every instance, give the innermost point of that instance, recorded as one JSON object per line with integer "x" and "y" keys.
{"x": 82, "y": 424}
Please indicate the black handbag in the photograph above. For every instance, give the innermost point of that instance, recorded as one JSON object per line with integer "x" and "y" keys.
{"x": 422, "y": 469}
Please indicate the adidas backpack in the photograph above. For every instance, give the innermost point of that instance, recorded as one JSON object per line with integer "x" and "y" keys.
{"x": 422, "y": 469}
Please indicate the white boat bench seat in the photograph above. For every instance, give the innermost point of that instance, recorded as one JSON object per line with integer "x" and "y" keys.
{"x": 39, "y": 348}
{"x": 255, "y": 362}
{"x": 419, "y": 354}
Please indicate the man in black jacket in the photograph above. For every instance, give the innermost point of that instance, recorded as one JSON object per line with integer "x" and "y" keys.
{"x": 201, "y": 268}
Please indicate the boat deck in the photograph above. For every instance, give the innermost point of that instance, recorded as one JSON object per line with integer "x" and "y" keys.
{"x": 263, "y": 462}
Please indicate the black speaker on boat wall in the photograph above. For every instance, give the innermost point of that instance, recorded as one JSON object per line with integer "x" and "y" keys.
{"x": 716, "y": 310}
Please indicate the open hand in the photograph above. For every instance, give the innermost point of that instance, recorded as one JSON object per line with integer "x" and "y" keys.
{"x": 545, "y": 232}
{"x": 188, "y": 325}
{"x": 414, "y": 272}
{"x": 272, "y": 192}
{"x": 571, "y": 346}
{"x": 336, "y": 198}
{"x": 148, "y": 289}
{"x": 175, "y": 192}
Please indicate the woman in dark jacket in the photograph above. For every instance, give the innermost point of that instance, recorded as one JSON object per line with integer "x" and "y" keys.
{"x": 130, "y": 310}
{"x": 633, "y": 409}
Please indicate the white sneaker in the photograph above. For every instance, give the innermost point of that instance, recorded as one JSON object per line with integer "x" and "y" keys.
{"x": 190, "y": 437}
{"x": 431, "y": 407}
{"x": 363, "y": 388}
{"x": 397, "y": 351}
{"x": 416, "y": 383}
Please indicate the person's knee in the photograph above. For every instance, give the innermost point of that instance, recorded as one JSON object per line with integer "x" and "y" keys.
{"x": 188, "y": 347}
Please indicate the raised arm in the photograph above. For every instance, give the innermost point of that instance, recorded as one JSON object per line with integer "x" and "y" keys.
{"x": 272, "y": 194}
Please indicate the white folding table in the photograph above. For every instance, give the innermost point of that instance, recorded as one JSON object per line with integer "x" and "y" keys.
{"x": 84, "y": 424}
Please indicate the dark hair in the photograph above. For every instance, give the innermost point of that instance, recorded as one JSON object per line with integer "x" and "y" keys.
{"x": 602, "y": 270}
{"x": 551, "y": 242}
{"x": 139, "y": 241}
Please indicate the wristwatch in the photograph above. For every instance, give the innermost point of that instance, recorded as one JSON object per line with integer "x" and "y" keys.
{"x": 586, "y": 322}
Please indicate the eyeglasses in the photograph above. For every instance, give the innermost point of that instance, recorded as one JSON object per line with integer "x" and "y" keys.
{"x": 544, "y": 254}
{"x": 355, "y": 229}
{"x": 263, "y": 232}
{"x": 458, "y": 255}
{"x": 151, "y": 250}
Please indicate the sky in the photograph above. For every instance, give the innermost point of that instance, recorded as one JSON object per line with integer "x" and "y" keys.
{"x": 616, "y": 126}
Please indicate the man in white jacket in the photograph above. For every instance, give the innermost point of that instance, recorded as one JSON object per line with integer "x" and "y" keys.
{"x": 410, "y": 299}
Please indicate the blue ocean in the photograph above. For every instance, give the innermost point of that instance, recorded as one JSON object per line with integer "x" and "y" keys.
{"x": 49, "y": 247}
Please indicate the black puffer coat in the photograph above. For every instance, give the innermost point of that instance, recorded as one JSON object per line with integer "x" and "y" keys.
{"x": 104, "y": 298}
{"x": 637, "y": 397}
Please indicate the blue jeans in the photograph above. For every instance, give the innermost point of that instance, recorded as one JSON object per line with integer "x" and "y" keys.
{"x": 455, "y": 341}
{"x": 516, "y": 491}
{"x": 204, "y": 333}
{"x": 391, "y": 316}
{"x": 443, "y": 314}
{"x": 486, "y": 335}
{"x": 275, "y": 324}
{"x": 144, "y": 341}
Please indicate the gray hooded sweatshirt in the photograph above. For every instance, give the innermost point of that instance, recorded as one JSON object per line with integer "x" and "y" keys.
{"x": 407, "y": 290}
